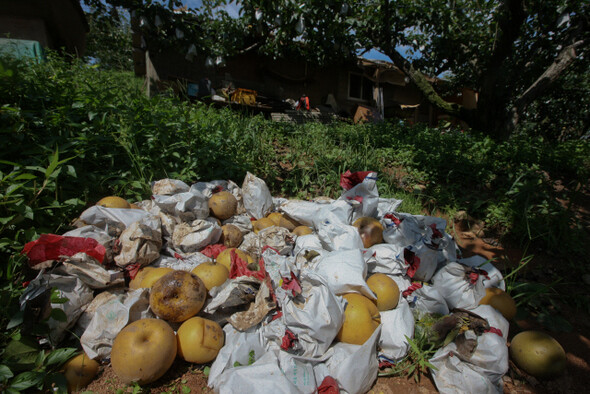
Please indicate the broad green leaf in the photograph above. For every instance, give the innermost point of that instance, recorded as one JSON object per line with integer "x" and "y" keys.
{"x": 7, "y": 219}
{"x": 26, "y": 380}
{"x": 60, "y": 356}
{"x": 55, "y": 173}
{"x": 73, "y": 201}
{"x": 21, "y": 352}
{"x": 12, "y": 188}
{"x": 40, "y": 359}
{"x": 10, "y": 163}
{"x": 72, "y": 171}
{"x": 25, "y": 176}
{"x": 5, "y": 373}
{"x": 36, "y": 168}
{"x": 28, "y": 213}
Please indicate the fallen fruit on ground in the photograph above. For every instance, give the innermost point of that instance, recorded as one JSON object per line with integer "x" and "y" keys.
{"x": 199, "y": 340}
{"x": 501, "y": 301}
{"x": 177, "y": 296}
{"x": 302, "y": 230}
{"x": 152, "y": 276}
{"x": 231, "y": 236}
{"x": 224, "y": 257}
{"x": 211, "y": 273}
{"x": 282, "y": 220}
{"x": 386, "y": 290}
{"x": 143, "y": 351}
{"x": 223, "y": 205}
{"x": 135, "y": 283}
{"x": 361, "y": 319}
{"x": 370, "y": 230}
{"x": 79, "y": 371}
{"x": 261, "y": 224}
{"x": 538, "y": 354}
{"x": 113, "y": 202}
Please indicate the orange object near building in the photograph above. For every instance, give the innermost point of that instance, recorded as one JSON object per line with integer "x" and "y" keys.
{"x": 303, "y": 103}
{"x": 244, "y": 96}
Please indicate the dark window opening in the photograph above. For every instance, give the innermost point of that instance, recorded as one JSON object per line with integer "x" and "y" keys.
{"x": 359, "y": 87}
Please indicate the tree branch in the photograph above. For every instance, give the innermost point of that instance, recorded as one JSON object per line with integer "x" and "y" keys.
{"x": 248, "y": 49}
{"x": 563, "y": 60}
{"x": 426, "y": 87}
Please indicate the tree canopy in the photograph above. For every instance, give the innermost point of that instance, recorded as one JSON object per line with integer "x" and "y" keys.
{"x": 109, "y": 39}
{"x": 511, "y": 52}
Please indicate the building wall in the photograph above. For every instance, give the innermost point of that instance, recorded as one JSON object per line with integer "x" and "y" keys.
{"x": 55, "y": 23}
{"x": 281, "y": 79}
{"x": 275, "y": 79}
{"x": 25, "y": 29}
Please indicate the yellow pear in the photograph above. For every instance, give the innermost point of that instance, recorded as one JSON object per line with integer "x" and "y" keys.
{"x": 79, "y": 371}
{"x": 113, "y": 202}
{"x": 538, "y": 354}
{"x": 385, "y": 289}
{"x": 211, "y": 273}
{"x": 261, "y": 224}
{"x": 361, "y": 319}
{"x": 199, "y": 340}
{"x": 370, "y": 230}
{"x": 501, "y": 301}
{"x": 231, "y": 236}
{"x": 152, "y": 276}
{"x": 282, "y": 220}
{"x": 223, "y": 205}
{"x": 143, "y": 351}
{"x": 225, "y": 257}
{"x": 135, "y": 283}
{"x": 302, "y": 230}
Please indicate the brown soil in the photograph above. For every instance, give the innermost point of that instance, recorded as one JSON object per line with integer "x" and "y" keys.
{"x": 182, "y": 377}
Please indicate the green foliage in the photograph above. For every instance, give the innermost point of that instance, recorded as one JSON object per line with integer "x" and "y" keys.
{"x": 565, "y": 113}
{"x": 538, "y": 301}
{"x": 25, "y": 366}
{"x": 108, "y": 41}
{"x": 421, "y": 349}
